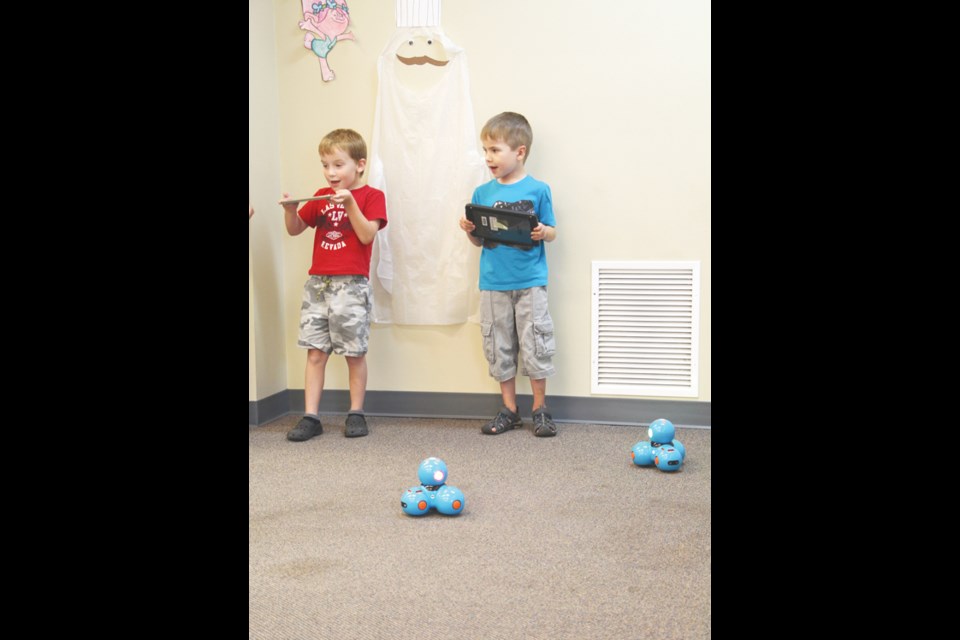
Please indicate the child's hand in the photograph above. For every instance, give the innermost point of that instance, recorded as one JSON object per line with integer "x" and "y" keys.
{"x": 291, "y": 207}
{"x": 466, "y": 225}
{"x": 539, "y": 232}
{"x": 342, "y": 196}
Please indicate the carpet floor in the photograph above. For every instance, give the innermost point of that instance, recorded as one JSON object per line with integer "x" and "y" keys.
{"x": 560, "y": 538}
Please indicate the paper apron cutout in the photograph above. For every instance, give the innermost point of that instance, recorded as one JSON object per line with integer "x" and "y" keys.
{"x": 425, "y": 157}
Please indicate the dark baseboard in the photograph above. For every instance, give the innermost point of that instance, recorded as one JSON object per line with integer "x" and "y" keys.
{"x": 407, "y": 404}
{"x": 272, "y": 407}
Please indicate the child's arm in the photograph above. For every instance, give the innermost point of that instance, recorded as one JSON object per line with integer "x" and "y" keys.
{"x": 543, "y": 232}
{"x": 468, "y": 226}
{"x": 365, "y": 229}
{"x": 295, "y": 224}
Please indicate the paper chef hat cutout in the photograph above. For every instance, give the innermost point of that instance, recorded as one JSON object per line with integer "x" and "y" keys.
{"x": 418, "y": 13}
{"x": 418, "y": 48}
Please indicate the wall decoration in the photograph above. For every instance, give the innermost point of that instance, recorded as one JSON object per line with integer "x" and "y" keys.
{"x": 422, "y": 50}
{"x": 326, "y": 23}
{"x": 425, "y": 156}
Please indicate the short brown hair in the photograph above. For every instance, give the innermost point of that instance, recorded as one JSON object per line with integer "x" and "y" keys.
{"x": 346, "y": 140}
{"x": 511, "y": 128}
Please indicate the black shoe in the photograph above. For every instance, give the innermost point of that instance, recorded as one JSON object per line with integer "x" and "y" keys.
{"x": 356, "y": 426}
{"x": 505, "y": 420}
{"x": 305, "y": 429}
{"x": 543, "y": 425}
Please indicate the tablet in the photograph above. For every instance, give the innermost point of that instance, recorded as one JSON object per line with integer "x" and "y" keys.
{"x": 503, "y": 225}
{"x": 299, "y": 200}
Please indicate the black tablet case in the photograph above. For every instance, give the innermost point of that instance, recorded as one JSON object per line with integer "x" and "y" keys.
{"x": 503, "y": 225}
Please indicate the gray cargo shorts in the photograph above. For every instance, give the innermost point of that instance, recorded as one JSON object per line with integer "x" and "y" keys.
{"x": 335, "y": 314}
{"x": 517, "y": 323}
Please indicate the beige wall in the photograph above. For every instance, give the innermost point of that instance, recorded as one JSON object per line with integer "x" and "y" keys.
{"x": 619, "y": 102}
{"x": 268, "y": 307}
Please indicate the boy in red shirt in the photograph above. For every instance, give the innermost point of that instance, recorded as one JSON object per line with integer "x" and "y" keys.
{"x": 337, "y": 298}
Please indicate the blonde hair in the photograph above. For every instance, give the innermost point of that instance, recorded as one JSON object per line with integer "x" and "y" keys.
{"x": 511, "y": 128}
{"x": 346, "y": 140}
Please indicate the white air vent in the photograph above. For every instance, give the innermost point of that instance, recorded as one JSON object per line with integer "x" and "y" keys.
{"x": 646, "y": 328}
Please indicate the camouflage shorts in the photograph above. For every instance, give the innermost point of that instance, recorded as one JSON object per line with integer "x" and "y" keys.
{"x": 335, "y": 314}
{"x": 517, "y": 330}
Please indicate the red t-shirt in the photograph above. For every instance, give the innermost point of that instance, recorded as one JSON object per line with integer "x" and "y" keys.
{"x": 337, "y": 251}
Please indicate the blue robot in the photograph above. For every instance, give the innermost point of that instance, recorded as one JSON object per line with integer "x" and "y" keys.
{"x": 662, "y": 450}
{"x": 433, "y": 492}
{"x": 661, "y": 431}
{"x": 668, "y": 458}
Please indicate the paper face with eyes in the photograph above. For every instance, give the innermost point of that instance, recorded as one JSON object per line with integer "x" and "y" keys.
{"x": 425, "y": 156}
{"x": 326, "y": 23}
{"x": 422, "y": 50}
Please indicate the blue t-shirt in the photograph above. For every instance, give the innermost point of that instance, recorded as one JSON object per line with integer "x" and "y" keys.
{"x": 505, "y": 268}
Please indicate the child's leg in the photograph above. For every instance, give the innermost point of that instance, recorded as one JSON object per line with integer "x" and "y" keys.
{"x": 537, "y": 342}
{"x": 309, "y": 425}
{"x": 508, "y": 417}
{"x": 315, "y": 338}
{"x": 313, "y": 384}
{"x": 535, "y": 327}
{"x": 500, "y": 344}
{"x": 350, "y": 332}
{"x": 508, "y": 389}
{"x": 500, "y": 349}
{"x": 539, "y": 388}
{"x": 356, "y": 424}
{"x": 357, "y": 368}
{"x": 543, "y": 424}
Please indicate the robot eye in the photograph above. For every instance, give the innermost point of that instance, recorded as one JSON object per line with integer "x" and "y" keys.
{"x": 410, "y": 43}
{"x": 438, "y": 475}
{"x": 429, "y": 41}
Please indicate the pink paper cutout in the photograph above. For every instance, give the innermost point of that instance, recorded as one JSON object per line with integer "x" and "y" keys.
{"x": 326, "y": 23}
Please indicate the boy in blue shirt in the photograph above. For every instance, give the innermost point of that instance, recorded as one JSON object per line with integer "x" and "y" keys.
{"x": 514, "y": 320}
